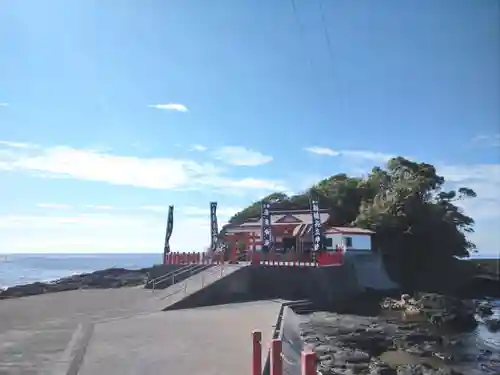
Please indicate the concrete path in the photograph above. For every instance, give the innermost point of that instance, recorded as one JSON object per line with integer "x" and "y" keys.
{"x": 36, "y": 332}
{"x": 212, "y": 340}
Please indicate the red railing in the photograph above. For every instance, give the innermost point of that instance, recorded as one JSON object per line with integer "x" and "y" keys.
{"x": 194, "y": 258}
{"x": 307, "y": 358}
{"x": 323, "y": 258}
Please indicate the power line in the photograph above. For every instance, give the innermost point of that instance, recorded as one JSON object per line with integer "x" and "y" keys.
{"x": 326, "y": 32}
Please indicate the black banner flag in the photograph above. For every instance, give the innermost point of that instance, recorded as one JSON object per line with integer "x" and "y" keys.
{"x": 214, "y": 230}
{"x": 317, "y": 236}
{"x": 266, "y": 226}
{"x": 170, "y": 228}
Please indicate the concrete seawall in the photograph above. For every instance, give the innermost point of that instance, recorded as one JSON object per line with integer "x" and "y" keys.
{"x": 320, "y": 285}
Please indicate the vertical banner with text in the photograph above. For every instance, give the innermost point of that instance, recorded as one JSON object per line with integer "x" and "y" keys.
{"x": 214, "y": 230}
{"x": 317, "y": 236}
{"x": 168, "y": 234}
{"x": 266, "y": 226}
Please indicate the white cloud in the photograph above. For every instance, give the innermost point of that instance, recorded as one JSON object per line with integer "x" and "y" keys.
{"x": 154, "y": 208}
{"x": 351, "y": 154}
{"x": 484, "y": 179}
{"x": 492, "y": 140}
{"x": 103, "y": 233}
{"x": 198, "y": 148}
{"x": 170, "y": 107}
{"x": 322, "y": 151}
{"x": 223, "y": 213}
{"x": 17, "y": 144}
{"x": 4, "y": 104}
{"x": 241, "y": 156}
{"x": 101, "y": 207}
{"x": 367, "y": 155}
{"x": 54, "y": 206}
{"x": 92, "y": 165}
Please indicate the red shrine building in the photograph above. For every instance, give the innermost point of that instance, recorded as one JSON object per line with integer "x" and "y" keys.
{"x": 291, "y": 233}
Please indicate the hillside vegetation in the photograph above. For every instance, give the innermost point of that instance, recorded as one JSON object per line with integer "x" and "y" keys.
{"x": 416, "y": 220}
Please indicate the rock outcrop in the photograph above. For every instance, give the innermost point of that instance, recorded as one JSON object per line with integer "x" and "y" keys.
{"x": 352, "y": 344}
{"x": 108, "y": 278}
{"x": 438, "y": 309}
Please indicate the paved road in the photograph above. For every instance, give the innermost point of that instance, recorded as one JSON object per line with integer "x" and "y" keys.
{"x": 34, "y": 331}
{"x": 37, "y": 332}
{"x": 204, "y": 341}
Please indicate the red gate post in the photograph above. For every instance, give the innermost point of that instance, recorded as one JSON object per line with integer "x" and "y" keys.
{"x": 233, "y": 255}
{"x": 308, "y": 362}
{"x": 256, "y": 353}
{"x": 276, "y": 360}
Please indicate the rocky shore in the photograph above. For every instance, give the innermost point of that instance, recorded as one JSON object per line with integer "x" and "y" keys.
{"x": 108, "y": 278}
{"x": 429, "y": 335}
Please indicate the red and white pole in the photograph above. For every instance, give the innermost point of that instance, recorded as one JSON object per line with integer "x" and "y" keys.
{"x": 308, "y": 362}
{"x": 256, "y": 353}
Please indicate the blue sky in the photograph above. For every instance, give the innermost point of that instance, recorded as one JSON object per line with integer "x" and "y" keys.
{"x": 111, "y": 110}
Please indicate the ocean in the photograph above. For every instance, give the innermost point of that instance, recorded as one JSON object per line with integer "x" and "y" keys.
{"x": 16, "y": 269}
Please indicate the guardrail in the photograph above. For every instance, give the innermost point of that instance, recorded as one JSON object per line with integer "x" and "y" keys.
{"x": 187, "y": 268}
{"x": 184, "y": 284}
{"x": 307, "y": 357}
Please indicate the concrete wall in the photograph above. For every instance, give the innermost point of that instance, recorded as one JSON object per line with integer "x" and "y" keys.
{"x": 321, "y": 285}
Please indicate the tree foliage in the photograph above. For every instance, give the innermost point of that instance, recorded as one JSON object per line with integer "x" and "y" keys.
{"x": 416, "y": 220}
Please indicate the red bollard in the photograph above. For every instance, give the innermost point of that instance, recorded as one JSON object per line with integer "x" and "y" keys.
{"x": 276, "y": 361}
{"x": 256, "y": 353}
{"x": 308, "y": 362}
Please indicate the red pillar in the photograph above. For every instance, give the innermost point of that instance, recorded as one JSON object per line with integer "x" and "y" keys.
{"x": 233, "y": 255}
{"x": 308, "y": 362}
{"x": 276, "y": 361}
{"x": 256, "y": 353}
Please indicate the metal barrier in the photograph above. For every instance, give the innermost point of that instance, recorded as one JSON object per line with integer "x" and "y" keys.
{"x": 172, "y": 275}
{"x": 307, "y": 357}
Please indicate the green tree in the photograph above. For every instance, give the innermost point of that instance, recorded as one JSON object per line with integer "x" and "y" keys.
{"x": 415, "y": 219}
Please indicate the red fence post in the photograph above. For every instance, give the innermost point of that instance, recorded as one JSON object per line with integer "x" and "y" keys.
{"x": 256, "y": 353}
{"x": 308, "y": 362}
{"x": 276, "y": 362}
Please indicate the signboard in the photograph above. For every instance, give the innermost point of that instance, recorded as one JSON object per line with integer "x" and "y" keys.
{"x": 214, "y": 230}
{"x": 317, "y": 236}
{"x": 266, "y": 226}
{"x": 170, "y": 228}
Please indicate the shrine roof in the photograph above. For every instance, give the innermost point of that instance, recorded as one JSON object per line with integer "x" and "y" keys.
{"x": 287, "y": 218}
